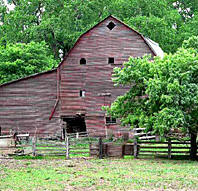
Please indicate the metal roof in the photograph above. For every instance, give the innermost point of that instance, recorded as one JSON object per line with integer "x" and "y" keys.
{"x": 155, "y": 47}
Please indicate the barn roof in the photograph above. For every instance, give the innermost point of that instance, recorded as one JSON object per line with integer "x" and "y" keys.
{"x": 154, "y": 47}
{"x": 27, "y": 77}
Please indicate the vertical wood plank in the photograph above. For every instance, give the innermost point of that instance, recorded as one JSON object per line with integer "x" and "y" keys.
{"x": 34, "y": 146}
{"x": 100, "y": 148}
{"x": 135, "y": 147}
{"x": 67, "y": 147}
{"x": 169, "y": 148}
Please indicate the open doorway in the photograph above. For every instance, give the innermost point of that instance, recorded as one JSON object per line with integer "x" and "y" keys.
{"x": 74, "y": 124}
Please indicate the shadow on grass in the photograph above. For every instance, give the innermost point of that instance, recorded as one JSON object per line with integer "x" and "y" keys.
{"x": 38, "y": 157}
{"x": 176, "y": 157}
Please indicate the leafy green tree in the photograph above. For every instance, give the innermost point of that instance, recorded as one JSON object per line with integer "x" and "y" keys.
{"x": 164, "y": 33}
{"x": 60, "y": 23}
{"x": 163, "y": 94}
{"x": 187, "y": 8}
{"x": 192, "y": 42}
{"x": 20, "y": 60}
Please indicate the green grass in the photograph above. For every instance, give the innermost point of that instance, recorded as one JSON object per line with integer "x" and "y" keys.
{"x": 94, "y": 174}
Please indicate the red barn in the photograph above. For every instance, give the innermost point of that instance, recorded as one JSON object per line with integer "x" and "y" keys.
{"x": 74, "y": 93}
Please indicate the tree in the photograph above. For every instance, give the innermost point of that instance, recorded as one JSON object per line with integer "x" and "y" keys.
{"x": 187, "y": 8}
{"x": 192, "y": 42}
{"x": 163, "y": 94}
{"x": 20, "y": 60}
{"x": 164, "y": 33}
{"x": 60, "y": 23}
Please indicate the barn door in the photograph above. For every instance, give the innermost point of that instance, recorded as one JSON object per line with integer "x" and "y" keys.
{"x": 75, "y": 124}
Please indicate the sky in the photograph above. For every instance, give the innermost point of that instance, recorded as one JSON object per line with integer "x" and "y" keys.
{"x": 10, "y": 7}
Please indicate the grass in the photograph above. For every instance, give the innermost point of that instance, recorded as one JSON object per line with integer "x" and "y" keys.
{"x": 94, "y": 174}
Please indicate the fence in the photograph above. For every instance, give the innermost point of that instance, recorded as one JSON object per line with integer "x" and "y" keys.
{"x": 12, "y": 145}
{"x": 169, "y": 149}
{"x": 78, "y": 145}
{"x": 72, "y": 146}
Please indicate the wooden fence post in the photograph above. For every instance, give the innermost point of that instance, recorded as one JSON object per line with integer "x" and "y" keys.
{"x": 67, "y": 147}
{"x": 135, "y": 148}
{"x": 100, "y": 148}
{"x": 77, "y": 135}
{"x": 34, "y": 146}
{"x": 169, "y": 148}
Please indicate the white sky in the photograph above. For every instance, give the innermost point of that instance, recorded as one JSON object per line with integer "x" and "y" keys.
{"x": 10, "y": 7}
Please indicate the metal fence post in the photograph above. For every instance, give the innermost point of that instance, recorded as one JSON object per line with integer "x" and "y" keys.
{"x": 169, "y": 148}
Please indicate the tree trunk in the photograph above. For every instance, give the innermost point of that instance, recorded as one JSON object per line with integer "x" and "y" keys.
{"x": 193, "y": 143}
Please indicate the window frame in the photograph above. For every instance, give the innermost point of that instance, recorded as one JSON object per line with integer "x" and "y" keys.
{"x": 111, "y": 60}
{"x": 83, "y": 60}
{"x": 110, "y": 121}
{"x": 111, "y": 25}
{"x": 82, "y": 93}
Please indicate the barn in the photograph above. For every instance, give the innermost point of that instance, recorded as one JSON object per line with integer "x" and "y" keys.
{"x": 72, "y": 95}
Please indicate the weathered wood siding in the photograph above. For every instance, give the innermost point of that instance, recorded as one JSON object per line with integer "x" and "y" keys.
{"x": 97, "y": 45}
{"x": 27, "y": 104}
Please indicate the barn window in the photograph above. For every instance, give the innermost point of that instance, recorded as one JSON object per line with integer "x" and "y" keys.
{"x": 111, "y": 25}
{"x": 83, "y": 61}
{"x": 82, "y": 93}
{"x": 110, "y": 120}
{"x": 111, "y": 60}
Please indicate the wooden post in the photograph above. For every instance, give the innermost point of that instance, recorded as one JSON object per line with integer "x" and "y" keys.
{"x": 157, "y": 137}
{"x": 100, "y": 148}
{"x": 64, "y": 129}
{"x": 77, "y": 135}
{"x": 135, "y": 147}
{"x": 67, "y": 147}
{"x": 34, "y": 146}
{"x": 169, "y": 148}
{"x": 193, "y": 145}
{"x": 0, "y": 130}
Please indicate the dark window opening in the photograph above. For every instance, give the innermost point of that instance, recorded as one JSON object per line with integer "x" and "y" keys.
{"x": 110, "y": 120}
{"x": 83, "y": 61}
{"x": 82, "y": 93}
{"x": 111, "y": 60}
{"x": 111, "y": 25}
{"x": 74, "y": 124}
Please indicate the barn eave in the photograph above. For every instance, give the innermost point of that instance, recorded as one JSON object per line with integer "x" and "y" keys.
{"x": 27, "y": 77}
